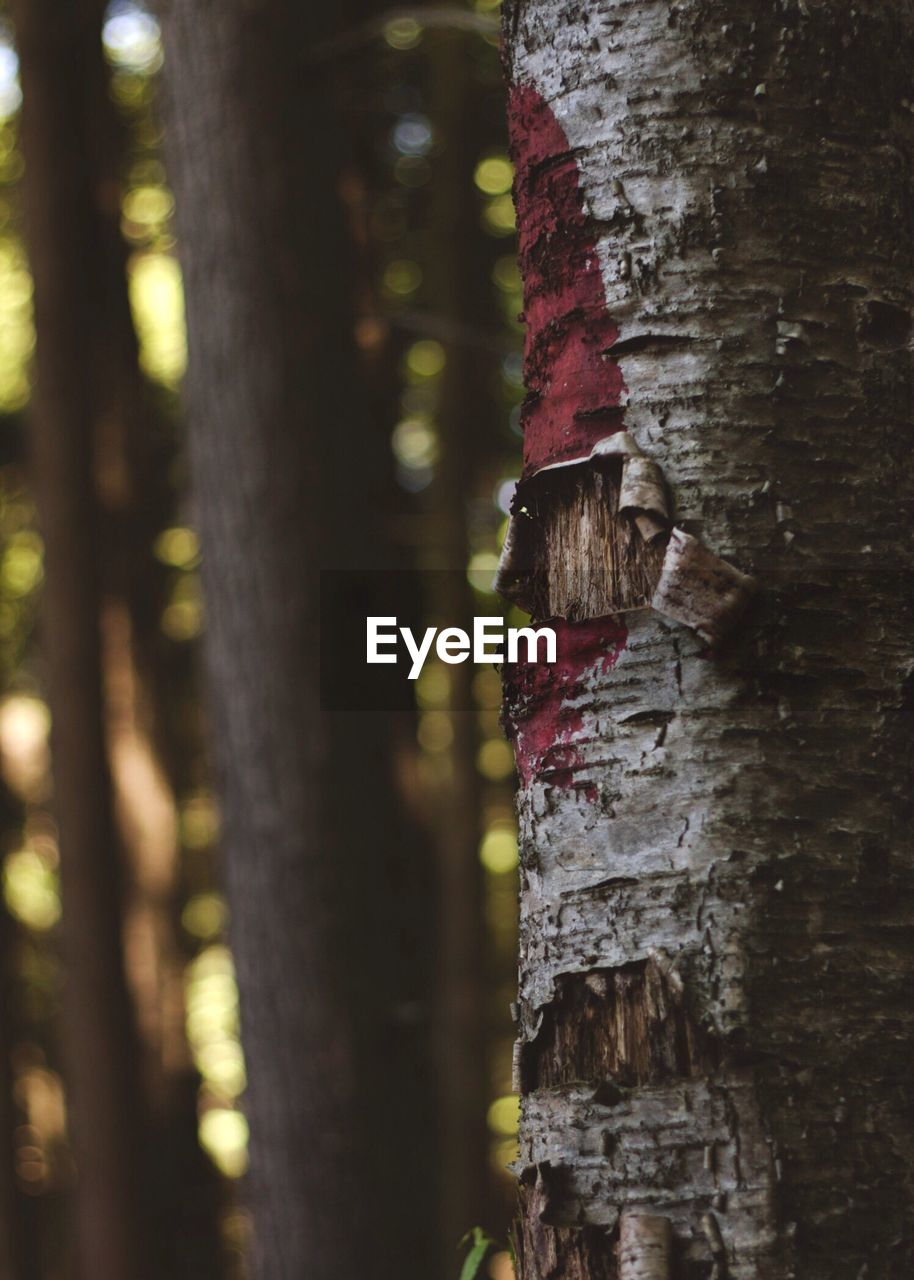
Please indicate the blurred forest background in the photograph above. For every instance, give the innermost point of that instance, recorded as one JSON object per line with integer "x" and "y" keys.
{"x": 426, "y": 191}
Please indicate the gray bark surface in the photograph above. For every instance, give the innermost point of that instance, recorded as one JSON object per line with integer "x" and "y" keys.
{"x": 716, "y": 1022}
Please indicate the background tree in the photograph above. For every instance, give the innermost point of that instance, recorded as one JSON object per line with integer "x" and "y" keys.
{"x": 287, "y": 482}
{"x": 61, "y": 68}
{"x": 715, "y": 844}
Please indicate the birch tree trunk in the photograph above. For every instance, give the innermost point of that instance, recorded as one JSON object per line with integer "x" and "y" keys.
{"x": 715, "y": 1022}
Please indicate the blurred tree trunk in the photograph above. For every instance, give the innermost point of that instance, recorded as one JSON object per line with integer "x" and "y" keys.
{"x": 287, "y": 480}
{"x": 715, "y": 1015}
{"x": 61, "y": 66}
{"x": 133, "y": 499}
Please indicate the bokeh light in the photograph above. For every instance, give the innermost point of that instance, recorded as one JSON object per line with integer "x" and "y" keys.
{"x": 157, "y": 301}
{"x": 213, "y": 1033}
{"x": 498, "y": 850}
{"x": 494, "y": 175}
{"x": 402, "y": 277}
{"x": 415, "y": 443}
{"x": 495, "y": 760}
{"x": 10, "y": 91}
{"x": 402, "y": 33}
{"x": 498, "y": 217}
{"x": 17, "y": 334}
{"x": 182, "y": 618}
{"x": 132, "y": 38}
{"x": 25, "y": 723}
{"x": 178, "y": 547}
{"x": 224, "y": 1136}
{"x": 205, "y": 916}
{"x": 198, "y": 820}
{"x": 21, "y": 566}
{"x": 412, "y": 134}
{"x": 425, "y": 359}
{"x": 31, "y": 888}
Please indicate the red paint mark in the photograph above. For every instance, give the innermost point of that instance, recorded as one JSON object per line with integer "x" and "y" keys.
{"x": 574, "y": 390}
{"x": 574, "y": 400}
{"x": 545, "y": 729}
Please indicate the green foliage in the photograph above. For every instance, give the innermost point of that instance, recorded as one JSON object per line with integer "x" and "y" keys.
{"x": 480, "y": 1244}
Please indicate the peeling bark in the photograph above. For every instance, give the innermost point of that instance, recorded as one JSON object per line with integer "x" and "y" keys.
{"x": 717, "y": 888}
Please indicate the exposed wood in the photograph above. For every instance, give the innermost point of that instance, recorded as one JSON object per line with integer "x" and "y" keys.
{"x": 622, "y": 1027}
{"x": 582, "y": 558}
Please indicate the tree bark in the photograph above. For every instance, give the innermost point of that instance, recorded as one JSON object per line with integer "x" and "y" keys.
{"x": 61, "y": 66}
{"x": 714, "y": 1017}
{"x": 287, "y": 481}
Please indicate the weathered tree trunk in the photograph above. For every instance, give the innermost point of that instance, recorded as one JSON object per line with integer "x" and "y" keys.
{"x": 715, "y": 1015}
{"x": 61, "y": 61}
{"x": 284, "y": 458}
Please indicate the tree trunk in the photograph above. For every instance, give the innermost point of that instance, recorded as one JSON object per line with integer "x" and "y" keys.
{"x": 284, "y": 457}
{"x": 61, "y": 63}
{"x": 715, "y": 1022}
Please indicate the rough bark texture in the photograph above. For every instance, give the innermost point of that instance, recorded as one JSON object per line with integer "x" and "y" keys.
{"x": 715, "y": 1021}
{"x": 62, "y": 67}
{"x": 286, "y": 476}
